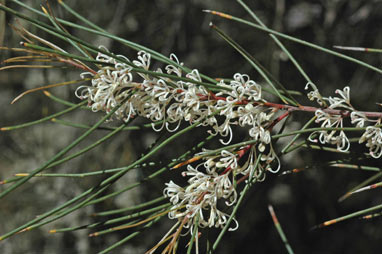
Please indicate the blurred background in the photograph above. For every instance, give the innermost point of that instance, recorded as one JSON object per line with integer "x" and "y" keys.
{"x": 300, "y": 200}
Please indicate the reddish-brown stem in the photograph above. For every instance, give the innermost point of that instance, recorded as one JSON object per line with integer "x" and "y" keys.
{"x": 241, "y": 154}
{"x": 278, "y": 119}
{"x": 343, "y": 113}
{"x": 242, "y": 178}
{"x": 226, "y": 170}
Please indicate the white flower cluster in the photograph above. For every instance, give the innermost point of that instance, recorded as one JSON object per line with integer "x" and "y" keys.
{"x": 163, "y": 99}
{"x": 201, "y": 196}
{"x": 212, "y": 182}
{"x": 238, "y": 102}
{"x": 372, "y": 135}
{"x": 373, "y": 139}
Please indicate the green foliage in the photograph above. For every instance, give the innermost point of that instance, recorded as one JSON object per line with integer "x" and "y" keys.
{"x": 176, "y": 101}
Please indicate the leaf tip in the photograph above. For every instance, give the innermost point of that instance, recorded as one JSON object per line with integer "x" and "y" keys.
{"x": 218, "y": 13}
{"x": 345, "y": 196}
{"x": 44, "y": 10}
{"x": 273, "y": 214}
{"x": 17, "y": 98}
{"x": 47, "y": 93}
{"x": 24, "y": 230}
{"x": 21, "y": 174}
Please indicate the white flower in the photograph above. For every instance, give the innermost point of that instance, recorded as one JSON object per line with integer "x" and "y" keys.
{"x": 243, "y": 88}
{"x": 202, "y": 194}
{"x": 173, "y": 69}
{"x": 194, "y": 75}
{"x": 343, "y": 102}
{"x": 315, "y": 94}
{"x": 227, "y": 159}
{"x": 341, "y": 141}
{"x": 163, "y": 99}
{"x": 247, "y": 114}
{"x": 373, "y": 138}
{"x": 110, "y": 86}
{"x": 358, "y": 118}
{"x": 260, "y": 134}
{"x": 174, "y": 192}
{"x": 331, "y": 137}
{"x": 144, "y": 60}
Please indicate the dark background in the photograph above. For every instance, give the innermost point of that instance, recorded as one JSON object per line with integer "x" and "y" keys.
{"x": 300, "y": 200}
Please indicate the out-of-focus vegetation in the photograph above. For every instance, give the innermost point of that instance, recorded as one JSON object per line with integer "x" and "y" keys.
{"x": 301, "y": 200}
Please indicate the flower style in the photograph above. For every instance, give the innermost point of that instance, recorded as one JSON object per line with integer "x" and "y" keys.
{"x": 238, "y": 103}
{"x": 329, "y": 120}
{"x": 244, "y": 88}
{"x": 343, "y": 102}
{"x": 212, "y": 181}
{"x": 174, "y": 192}
{"x": 110, "y": 87}
{"x": 372, "y": 135}
{"x": 334, "y": 102}
{"x": 358, "y": 118}
{"x": 315, "y": 94}
{"x": 163, "y": 99}
{"x": 330, "y": 137}
{"x": 373, "y": 139}
{"x": 171, "y": 68}
{"x": 200, "y": 198}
